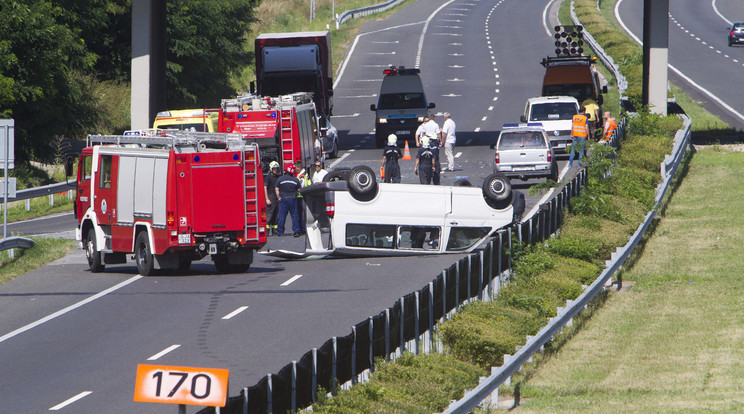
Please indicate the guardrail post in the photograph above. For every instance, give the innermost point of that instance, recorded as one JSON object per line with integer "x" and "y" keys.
{"x": 294, "y": 386}
{"x": 245, "y": 400}
{"x": 444, "y": 295}
{"x": 51, "y": 199}
{"x": 402, "y": 325}
{"x": 495, "y": 393}
{"x": 481, "y": 272}
{"x": 28, "y": 204}
{"x": 469, "y": 275}
{"x": 431, "y": 317}
{"x": 315, "y": 376}
{"x": 507, "y": 358}
{"x": 371, "y": 345}
{"x": 416, "y": 329}
{"x": 334, "y": 368}
{"x": 387, "y": 334}
{"x": 269, "y": 393}
{"x": 353, "y": 356}
{"x": 457, "y": 286}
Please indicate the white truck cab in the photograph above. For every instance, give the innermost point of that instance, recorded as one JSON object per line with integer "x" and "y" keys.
{"x": 362, "y": 217}
{"x": 555, "y": 113}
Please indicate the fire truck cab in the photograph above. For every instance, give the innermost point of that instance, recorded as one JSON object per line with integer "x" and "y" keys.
{"x": 170, "y": 197}
{"x": 285, "y": 128}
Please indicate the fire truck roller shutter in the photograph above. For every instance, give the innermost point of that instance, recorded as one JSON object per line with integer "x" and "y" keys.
{"x": 150, "y": 176}
{"x": 125, "y": 192}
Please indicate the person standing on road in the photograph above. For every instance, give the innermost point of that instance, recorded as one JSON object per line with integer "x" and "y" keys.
{"x": 420, "y": 130}
{"x": 390, "y": 156}
{"x": 609, "y": 127}
{"x": 272, "y": 201}
{"x": 425, "y": 162}
{"x": 449, "y": 139}
{"x": 432, "y": 130}
{"x": 319, "y": 173}
{"x": 287, "y": 187}
{"x": 591, "y": 110}
{"x": 579, "y": 133}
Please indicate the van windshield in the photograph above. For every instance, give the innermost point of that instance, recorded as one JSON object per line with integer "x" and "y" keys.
{"x": 553, "y": 111}
{"x": 580, "y": 91}
{"x": 520, "y": 140}
{"x": 411, "y": 100}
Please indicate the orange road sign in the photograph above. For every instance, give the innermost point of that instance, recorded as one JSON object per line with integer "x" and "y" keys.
{"x": 181, "y": 385}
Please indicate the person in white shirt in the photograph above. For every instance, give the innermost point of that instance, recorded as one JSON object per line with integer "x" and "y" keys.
{"x": 420, "y": 131}
{"x": 319, "y": 173}
{"x": 449, "y": 138}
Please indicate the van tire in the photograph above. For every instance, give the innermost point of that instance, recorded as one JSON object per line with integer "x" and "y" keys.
{"x": 335, "y": 175}
{"x": 91, "y": 252}
{"x": 362, "y": 183}
{"x": 462, "y": 182}
{"x": 497, "y": 191}
{"x": 143, "y": 255}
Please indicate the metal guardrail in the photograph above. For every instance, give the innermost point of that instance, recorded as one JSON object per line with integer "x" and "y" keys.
{"x": 366, "y": 11}
{"x": 16, "y": 243}
{"x": 512, "y": 363}
{"x": 42, "y": 191}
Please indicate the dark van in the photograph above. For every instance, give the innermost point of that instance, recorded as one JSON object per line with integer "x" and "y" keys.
{"x": 401, "y": 106}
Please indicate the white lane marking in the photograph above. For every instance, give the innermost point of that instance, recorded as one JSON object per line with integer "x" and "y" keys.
{"x": 545, "y": 19}
{"x": 70, "y": 401}
{"x": 235, "y": 312}
{"x": 163, "y": 352}
{"x": 715, "y": 8}
{"x": 348, "y": 116}
{"x": 426, "y": 27}
{"x": 476, "y": 129}
{"x": 292, "y": 279}
{"x": 338, "y": 160}
{"x": 458, "y": 155}
{"x": 394, "y": 42}
{"x": 69, "y": 308}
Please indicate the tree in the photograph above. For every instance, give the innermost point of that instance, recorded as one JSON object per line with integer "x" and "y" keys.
{"x": 205, "y": 48}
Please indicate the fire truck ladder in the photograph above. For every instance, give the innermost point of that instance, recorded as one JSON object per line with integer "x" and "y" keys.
{"x": 252, "y": 192}
{"x": 285, "y": 123}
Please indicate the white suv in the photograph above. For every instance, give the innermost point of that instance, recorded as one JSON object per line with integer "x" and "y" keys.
{"x": 366, "y": 218}
{"x": 555, "y": 113}
{"x": 523, "y": 151}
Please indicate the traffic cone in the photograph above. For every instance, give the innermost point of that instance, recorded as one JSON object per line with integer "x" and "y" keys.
{"x": 406, "y": 153}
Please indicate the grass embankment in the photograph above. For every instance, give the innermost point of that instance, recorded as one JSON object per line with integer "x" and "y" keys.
{"x": 672, "y": 342}
{"x": 44, "y": 251}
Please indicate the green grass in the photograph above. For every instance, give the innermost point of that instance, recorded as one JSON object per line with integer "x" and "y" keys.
{"x": 672, "y": 342}
{"x": 44, "y": 251}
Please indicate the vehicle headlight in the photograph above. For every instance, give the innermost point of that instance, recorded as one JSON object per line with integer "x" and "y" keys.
{"x": 382, "y": 120}
{"x": 421, "y": 119}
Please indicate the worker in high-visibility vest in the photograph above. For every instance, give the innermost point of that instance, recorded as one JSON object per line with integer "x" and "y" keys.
{"x": 609, "y": 127}
{"x": 579, "y": 133}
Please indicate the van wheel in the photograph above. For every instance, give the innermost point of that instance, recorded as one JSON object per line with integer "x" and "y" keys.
{"x": 334, "y": 153}
{"x": 92, "y": 253}
{"x": 143, "y": 255}
{"x": 497, "y": 191}
{"x": 362, "y": 183}
{"x": 462, "y": 182}
{"x": 334, "y": 176}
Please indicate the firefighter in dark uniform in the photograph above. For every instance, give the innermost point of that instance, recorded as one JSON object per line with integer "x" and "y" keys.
{"x": 390, "y": 156}
{"x": 425, "y": 161}
{"x": 272, "y": 201}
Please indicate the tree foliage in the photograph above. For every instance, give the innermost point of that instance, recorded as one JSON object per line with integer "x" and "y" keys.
{"x": 54, "y": 54}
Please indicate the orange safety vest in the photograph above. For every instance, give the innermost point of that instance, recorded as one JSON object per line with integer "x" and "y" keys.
{"x": 579, "y": 128}
{"x": 610, "y": 127}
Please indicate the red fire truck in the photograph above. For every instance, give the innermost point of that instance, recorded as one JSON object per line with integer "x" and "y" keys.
{"x": 284, "y": 127}
{"x": 170, "y": 197}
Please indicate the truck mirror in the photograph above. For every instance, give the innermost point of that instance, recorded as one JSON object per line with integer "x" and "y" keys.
{"x": 432, "y": 105}
{"x": 372, "y": 107}
{"x": 604, "y": 89}
{"x": 69, "y": 162}
{"x": 600, "y": 100}
{"x": 523, "y": 119}
{"x": 492, "y": 146}
{"x": 252, "y": 86}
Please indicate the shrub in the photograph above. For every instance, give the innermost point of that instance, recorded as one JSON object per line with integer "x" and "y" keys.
{"x": 576, "y": 247}
{"x": 532, "y": 263}
{"x": 592, "y": 202}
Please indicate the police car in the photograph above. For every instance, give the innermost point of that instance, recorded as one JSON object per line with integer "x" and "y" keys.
{"x": 361, "y": 217}
{"x": 523, "y": 151}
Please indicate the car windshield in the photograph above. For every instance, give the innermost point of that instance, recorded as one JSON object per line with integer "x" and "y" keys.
{"x": 553, "y": 111}
{"x": 580, "y": 91}
{"x": 521, "y": 140}
{"x": 409, "y": 100}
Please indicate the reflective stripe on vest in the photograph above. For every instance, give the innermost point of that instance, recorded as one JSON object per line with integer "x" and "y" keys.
{"x": 609, "y": 129}
{"x": 578, "y": 128}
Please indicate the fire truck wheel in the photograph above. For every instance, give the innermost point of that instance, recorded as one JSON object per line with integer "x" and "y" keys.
{"x": 497, "y": 191}
{"x": 362, "y": 183}
{"x": 92, "y": 253}
{"x": 143, "y": 255}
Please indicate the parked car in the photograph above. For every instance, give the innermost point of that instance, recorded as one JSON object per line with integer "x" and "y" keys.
{"x": 523, "y": 151}
{"x": 555, "y": 113}
{"x": 736, "y": 34}
{"x": 362, "y": 217}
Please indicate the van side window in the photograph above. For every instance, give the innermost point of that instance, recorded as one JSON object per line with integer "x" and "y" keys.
{"x": 419, "y": 237}
{"x": 461, "y": 238}
{"x": 370, "y": 235}
{"x": 105, "y": 172}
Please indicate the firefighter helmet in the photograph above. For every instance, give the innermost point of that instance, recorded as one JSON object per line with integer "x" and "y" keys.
{"x": 290, "y": 168}
{"x": 273, "y": 164}
{"x": 392, "y": 139}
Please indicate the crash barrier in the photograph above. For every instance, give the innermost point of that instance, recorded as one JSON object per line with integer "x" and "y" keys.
{"x": 16, "y": 243}
{"x": 47, "y": 190}
{"x": 366, "y": 11}
{"x": 407, "y": 325}
{"x": 489, "y": 386}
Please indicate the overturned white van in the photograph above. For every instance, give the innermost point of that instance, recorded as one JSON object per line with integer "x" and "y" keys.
{"x": 361, "y": 217}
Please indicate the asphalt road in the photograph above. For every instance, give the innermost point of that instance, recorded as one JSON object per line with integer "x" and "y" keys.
{"x": 72, "y": 340}
{"x": 700, "y": 59}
